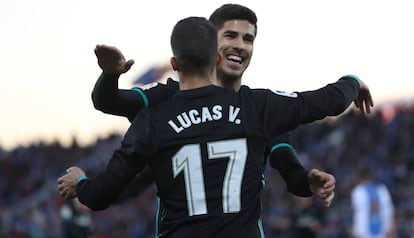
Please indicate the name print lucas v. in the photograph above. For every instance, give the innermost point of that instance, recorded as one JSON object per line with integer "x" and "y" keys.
{"x": 205, "y": 114}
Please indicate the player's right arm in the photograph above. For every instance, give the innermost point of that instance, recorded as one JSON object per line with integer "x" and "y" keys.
{"x": 108, "y": 98}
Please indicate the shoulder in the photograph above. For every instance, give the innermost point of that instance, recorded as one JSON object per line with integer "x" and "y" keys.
{"x": 264, "y": 91}
{"x": 285, "y": 93}
{"x": 171, "y": 83}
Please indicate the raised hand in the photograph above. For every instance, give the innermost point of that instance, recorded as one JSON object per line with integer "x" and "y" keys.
{"x": 322, "y": 185}
{"x": 111, "y": 60}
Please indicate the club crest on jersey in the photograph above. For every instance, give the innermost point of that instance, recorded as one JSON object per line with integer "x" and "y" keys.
{"x": 150, "y": 85}
{"x": 286, "y": 94}
{"x": 205, "y": 114}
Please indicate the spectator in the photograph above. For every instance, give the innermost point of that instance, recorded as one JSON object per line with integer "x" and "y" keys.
{"x": 372, "y": 207}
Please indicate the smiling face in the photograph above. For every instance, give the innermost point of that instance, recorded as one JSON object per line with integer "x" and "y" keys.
{"x": 235, "y": 43}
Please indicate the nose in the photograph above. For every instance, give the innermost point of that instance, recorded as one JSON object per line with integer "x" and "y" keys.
{"x": 238, "y": 43}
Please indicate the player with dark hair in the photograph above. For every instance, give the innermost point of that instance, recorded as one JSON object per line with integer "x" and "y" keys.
{"x": 205, "y": 145}
{"x": 235, "y": 43}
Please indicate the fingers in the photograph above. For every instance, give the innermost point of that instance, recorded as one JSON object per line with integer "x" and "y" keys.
{"x": 329, "y": 199}
{"x": 329, "y": 184}
{"x": 320, "y": 178}
{"x": 63, "y": 191}
{"x": 128, "y": 65}
{"x": 364, "y": 100}
{"x": 66, "y": 183}
{"x": 103, "y": 51}
{"x": 357, "y": 104}
{"x": 322, "y": 185}
{"x": 330, "y": 181}
{"x": 369, "y": 103}
{"x": 361, "y": 105}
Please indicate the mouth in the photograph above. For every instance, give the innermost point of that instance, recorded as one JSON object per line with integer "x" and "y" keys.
{"x": 235, "y": 58}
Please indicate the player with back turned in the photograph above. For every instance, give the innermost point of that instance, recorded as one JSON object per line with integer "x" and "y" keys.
{"x": 237, "y": 29}
{"x": 206, "y": 144}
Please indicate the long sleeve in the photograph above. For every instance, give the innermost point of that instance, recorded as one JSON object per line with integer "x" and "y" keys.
{"x": 282, "y": 112}
{"x": 99, "y": 192}
{"x": 108, "y": 98}
{"x": 284, "y": 159}
{"x": 127, "y": 161}
{"x": 140, "y": 183}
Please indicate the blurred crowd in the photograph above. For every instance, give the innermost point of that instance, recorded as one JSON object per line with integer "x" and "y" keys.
{"x": 30, "y": 205}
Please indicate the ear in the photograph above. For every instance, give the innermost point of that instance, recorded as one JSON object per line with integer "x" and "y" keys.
{"x": 173, "y": 62}
{"x": 218, "y": 58}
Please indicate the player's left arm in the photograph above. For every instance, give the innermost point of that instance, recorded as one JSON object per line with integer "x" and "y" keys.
{"x": 140, "y": 183}
{"x": 127, "y": 161}
{"x": 300, "y": 181}
{"x": 285, "y": 112}
{"x": 283, "y": 158}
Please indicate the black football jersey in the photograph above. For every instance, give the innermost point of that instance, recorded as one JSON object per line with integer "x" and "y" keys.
{"x": 205, "y": 148}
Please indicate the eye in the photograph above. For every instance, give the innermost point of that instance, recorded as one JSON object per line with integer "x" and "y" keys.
{"x": 230, "y": 34}
{"x": 248, "y": 38}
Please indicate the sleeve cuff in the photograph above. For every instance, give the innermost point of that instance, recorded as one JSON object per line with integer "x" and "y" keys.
{"x": 356, "y": 78}
{"x": 81, "y": 178}
{"x": 281, "y": 145}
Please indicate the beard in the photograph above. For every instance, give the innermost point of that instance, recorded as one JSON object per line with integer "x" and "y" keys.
{"x": 228, "y": 79}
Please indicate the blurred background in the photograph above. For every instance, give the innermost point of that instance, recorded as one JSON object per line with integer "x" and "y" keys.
{"x": 48, "y": 70}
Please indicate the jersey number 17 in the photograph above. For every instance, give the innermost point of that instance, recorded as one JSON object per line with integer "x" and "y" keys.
{"x": 188, "y": 161}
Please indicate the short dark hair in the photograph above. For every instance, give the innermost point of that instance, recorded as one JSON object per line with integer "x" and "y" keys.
{"x": 194, "y": 44}
{"x": 229, "y": 12}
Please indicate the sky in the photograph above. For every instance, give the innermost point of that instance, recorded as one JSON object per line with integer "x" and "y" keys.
{"x": 48, "y": 67}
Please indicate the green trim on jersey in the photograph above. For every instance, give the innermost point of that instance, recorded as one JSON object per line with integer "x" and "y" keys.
{"x": 354, "y": 77}
{"x": 280, "y": 145}
{"x": 157, "y": 214}
{"x": 259, "y": 224}
{"x": 143, "y": 96}
{"x": 81, "y": 178}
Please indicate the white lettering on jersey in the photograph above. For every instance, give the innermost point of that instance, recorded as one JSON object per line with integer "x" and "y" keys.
{"x": 205, "y": 114}
{"x": 286, "y": 94}
{"x": 233, "y": 111}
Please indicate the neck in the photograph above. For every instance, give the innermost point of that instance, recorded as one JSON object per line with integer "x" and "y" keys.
{"x": 230, "y": 83}
{"x": 193, "y": 82}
